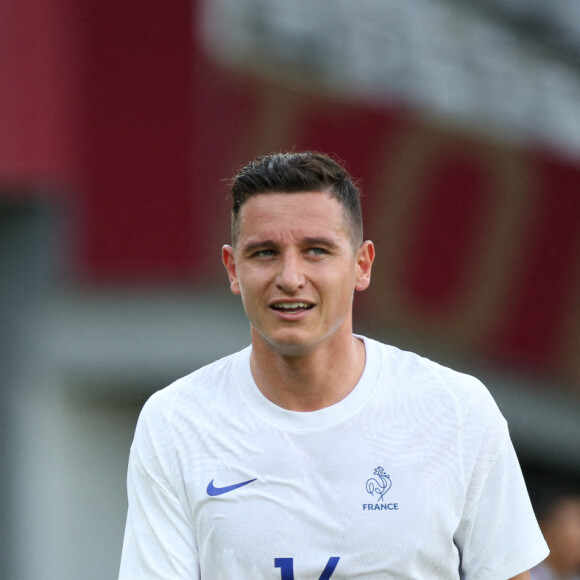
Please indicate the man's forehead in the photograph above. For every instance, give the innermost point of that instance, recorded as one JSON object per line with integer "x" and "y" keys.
{"x": 278, "y": 205}
{"x": 321, "y": 211}
{"x": 301, "y": 210}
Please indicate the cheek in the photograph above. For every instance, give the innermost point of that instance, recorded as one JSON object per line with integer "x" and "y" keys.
{"x": 342, "y": 292}
{"x": 251, "y": 287}
{"x": 346, "y": 283}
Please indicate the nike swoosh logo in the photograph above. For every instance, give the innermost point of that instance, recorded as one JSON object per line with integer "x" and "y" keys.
{"x": 213, "y": 490}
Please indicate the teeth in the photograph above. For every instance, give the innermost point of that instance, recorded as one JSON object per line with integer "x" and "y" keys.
{"x": 291, "y": 305}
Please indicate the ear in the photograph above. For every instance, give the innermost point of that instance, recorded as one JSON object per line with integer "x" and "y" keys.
{"x": 365, "y": 257}
{"x": 230, "y": 264}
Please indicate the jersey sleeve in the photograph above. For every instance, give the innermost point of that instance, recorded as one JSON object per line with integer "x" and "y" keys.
{"x": 498, "y": 536}
{"x": 159, "y": 541}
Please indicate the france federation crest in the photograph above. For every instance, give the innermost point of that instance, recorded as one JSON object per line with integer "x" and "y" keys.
{"x": 378, "y": 486}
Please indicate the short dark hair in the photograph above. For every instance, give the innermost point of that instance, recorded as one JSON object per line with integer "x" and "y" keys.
{"x": 297, "y": 173}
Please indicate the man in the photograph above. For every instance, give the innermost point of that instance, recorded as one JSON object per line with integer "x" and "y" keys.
{"x": 316, "y": 453}
{"x": 557, "y": 506}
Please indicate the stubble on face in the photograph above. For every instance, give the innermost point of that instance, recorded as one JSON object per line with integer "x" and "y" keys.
{"x": 291, "y": 249}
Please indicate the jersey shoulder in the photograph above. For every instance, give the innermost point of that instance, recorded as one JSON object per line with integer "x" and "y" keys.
{"x": 413, "y": 376}
{"x": 199, "y": 390}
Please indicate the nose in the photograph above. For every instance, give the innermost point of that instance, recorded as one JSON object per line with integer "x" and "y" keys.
{"x": 290, "y": 277}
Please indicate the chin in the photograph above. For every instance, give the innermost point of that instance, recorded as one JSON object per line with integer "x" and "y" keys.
{"x": 290, "y": 345}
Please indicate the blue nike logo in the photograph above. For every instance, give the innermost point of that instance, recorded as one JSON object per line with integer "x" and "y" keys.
{"x": 213, "y": 490}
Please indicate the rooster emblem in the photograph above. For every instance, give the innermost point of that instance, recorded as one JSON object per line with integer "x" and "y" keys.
{"x": 379, "y": 486}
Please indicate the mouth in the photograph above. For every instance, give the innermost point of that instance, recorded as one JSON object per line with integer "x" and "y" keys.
{"x": 292, "y": 307}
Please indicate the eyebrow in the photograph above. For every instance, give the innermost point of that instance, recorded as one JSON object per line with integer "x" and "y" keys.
{"x": 320, "y": 241}
{"x": 249, "y": 248}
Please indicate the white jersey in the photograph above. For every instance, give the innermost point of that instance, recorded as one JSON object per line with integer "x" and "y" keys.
{"x": 411, "y": 476}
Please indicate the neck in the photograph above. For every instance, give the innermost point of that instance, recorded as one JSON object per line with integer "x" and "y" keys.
{"x": 312, "y": 381}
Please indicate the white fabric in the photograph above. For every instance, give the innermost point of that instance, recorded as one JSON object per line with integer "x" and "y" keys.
{"x": 456, "y": 507}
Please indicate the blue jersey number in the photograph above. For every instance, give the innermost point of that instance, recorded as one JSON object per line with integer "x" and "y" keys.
{"x": 286, "y": 566}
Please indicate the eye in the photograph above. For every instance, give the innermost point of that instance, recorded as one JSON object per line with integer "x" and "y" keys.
{"x": 317, "y": 251}
{"x": 263, "y": 254}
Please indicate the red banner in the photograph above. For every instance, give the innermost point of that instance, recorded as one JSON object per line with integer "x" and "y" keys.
{"x": 478, "y": 242}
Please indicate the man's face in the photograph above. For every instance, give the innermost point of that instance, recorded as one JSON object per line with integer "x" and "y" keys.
{"x": 296, "y": 269}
